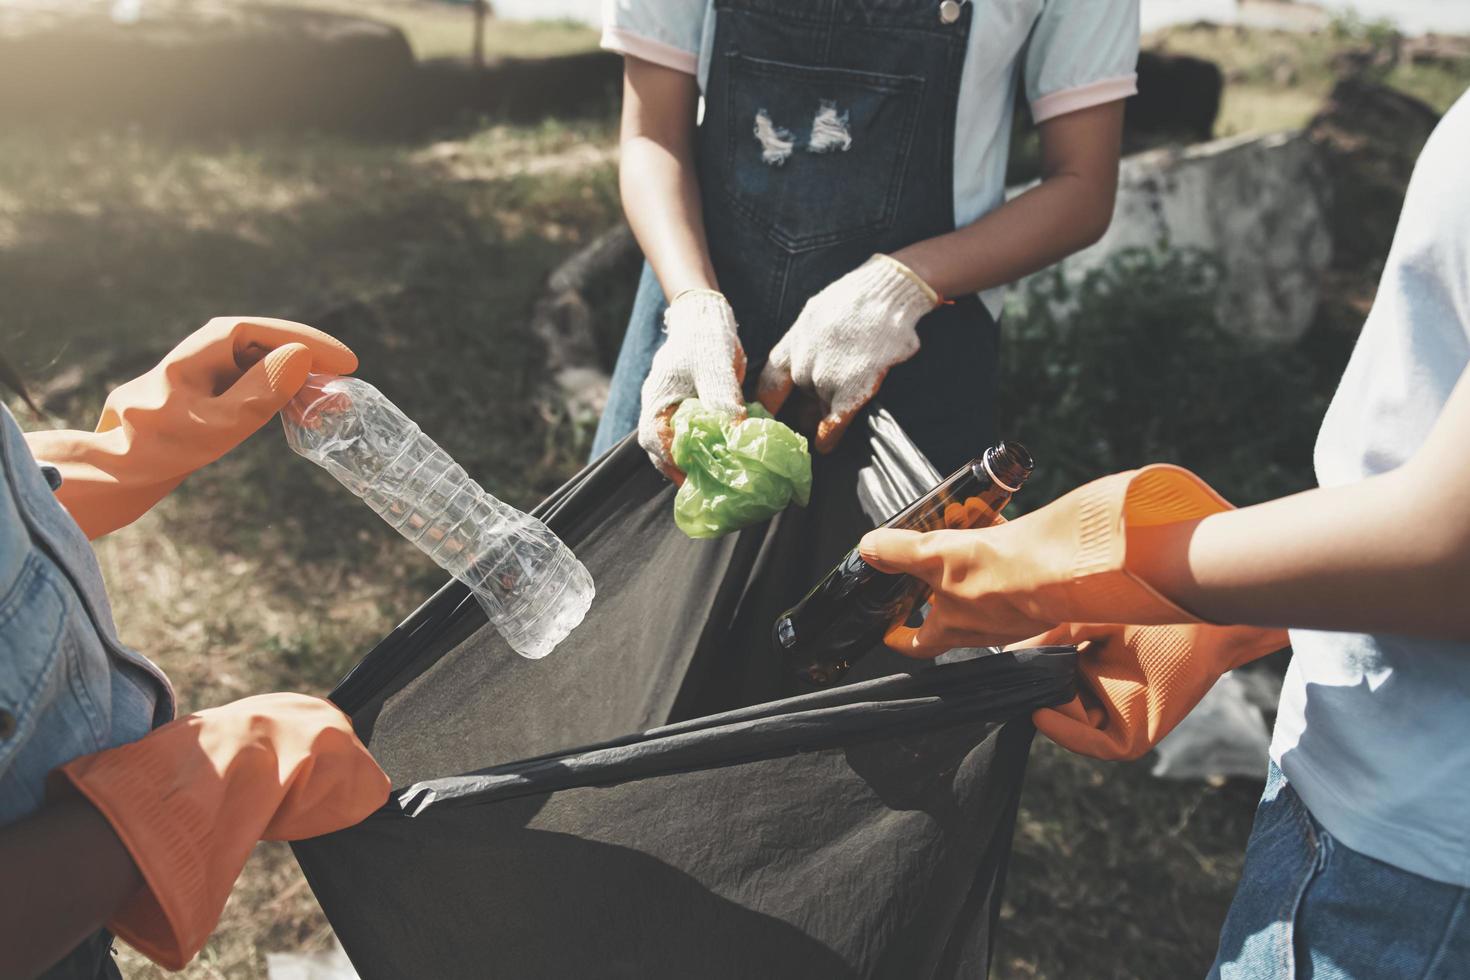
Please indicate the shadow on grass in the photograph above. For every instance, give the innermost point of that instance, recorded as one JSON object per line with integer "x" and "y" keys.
{"x": 116, "y": 246}
{"x": 1117, "y": 874}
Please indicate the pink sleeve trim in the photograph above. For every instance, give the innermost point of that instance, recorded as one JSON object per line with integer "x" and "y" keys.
{"x": 623, "y": 42}
{"x": 1084, "y": 96}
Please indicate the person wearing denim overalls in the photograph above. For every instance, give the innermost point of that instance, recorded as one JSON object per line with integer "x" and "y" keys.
{"x": 111, "y": 811}
{"x": 848, "y": 174}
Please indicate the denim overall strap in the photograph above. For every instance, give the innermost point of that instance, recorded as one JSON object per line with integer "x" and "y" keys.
{"x": 829, "y": 135}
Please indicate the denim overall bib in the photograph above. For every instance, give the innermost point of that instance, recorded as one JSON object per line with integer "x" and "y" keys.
{"x": 828, "y": 135}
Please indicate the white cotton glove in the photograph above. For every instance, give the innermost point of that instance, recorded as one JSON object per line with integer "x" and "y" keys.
{"x": 845, "y": 341}
{"x": 702, "y": 358}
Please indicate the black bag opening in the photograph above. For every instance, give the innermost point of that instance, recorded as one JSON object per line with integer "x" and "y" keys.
{"x": 659, "y": 797}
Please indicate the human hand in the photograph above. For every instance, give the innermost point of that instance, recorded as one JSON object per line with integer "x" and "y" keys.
{"x": 1073, "y": 560}
{"x": 702, "y": 358}
{"x": 1138, "y": 682}
{"x": 846, "y": 340}
{"x": 211, "y": 392}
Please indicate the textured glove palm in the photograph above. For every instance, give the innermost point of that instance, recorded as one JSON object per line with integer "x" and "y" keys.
{"x": 846, "y": 340}
{"x": 1138, "y": 682}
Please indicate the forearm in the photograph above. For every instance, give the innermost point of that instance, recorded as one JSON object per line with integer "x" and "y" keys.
{"x": 1335, "y": 559}
{"x": 66, "y": 874}
{"x": 661, "y": 198}
{"x": 1387, "y": 554}
{"x": 660, "y": 189}
{"x": 1022, "y": 236}
{"x": 1068, "y": 210}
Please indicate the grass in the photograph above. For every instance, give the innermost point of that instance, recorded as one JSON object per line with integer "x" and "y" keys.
{"x": 1276, "y": 80}
{"x": 446, "y": 30}
{"x": 261, "y": 573}
{"x": 1116, "y": 874}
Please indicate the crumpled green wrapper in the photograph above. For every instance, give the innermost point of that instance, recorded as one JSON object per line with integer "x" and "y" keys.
{"x": 739, "y": 474}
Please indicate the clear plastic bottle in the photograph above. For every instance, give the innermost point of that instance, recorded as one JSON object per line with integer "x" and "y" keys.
{"x": 533, "y": 589}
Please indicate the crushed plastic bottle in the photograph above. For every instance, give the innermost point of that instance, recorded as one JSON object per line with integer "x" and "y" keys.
{"x": 531, "y": 586}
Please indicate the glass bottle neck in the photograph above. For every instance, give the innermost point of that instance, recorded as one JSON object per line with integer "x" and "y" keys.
{"x": 970, "y": 497}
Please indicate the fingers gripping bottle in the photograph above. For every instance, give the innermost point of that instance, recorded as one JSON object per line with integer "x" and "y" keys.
{"x": 531, "y": 586}
{"x": 848, "y": 612}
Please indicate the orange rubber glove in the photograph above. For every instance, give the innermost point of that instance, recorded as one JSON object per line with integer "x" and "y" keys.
{"x": 1069, "y": 562}
{"x": 190, "y": 800}
{"x": 208, "y": 395}
{"x": 1138, "y": 682}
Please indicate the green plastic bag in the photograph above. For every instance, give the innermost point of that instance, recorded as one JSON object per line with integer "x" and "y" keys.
{"x": 739, "y": 474}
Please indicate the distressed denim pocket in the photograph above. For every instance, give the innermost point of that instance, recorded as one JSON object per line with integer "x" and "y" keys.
{"x": 816, "y": 156}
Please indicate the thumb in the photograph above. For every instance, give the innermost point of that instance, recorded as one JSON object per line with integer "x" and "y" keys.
{"x": 831, "y": 430}
{"x": 253, "y": 338}
{"x": 845, "y": 407}
{"x": 267, "y": 387}
{"x": 893, "y": 551}
{"x": 1070, "y": 726}
{"x": 718, "y": 376}
{"x": 775, "y": 383}
{"x": 718, "y": 385}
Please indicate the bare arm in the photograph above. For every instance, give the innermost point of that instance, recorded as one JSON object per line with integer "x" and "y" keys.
{"x": 66, "y": 873}
{"x": 1388, "y": 554}
{"x": 1069, "y": 210}
{"x": 659, "y": 187}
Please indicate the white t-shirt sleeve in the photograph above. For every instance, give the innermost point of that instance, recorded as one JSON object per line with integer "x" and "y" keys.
{"x": 1081, "y": 53}
{"x": 665, "y": 32}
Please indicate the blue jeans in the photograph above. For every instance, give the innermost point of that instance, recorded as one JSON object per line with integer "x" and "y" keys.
{"x": 1310, "y": 907}
{"x": 625, "y": 393}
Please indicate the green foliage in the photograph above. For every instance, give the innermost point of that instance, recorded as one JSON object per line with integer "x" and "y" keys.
{"x": 1377, "y": 42}
{"x": 1130, "y": 365}
{"x": 1351, "y": 26}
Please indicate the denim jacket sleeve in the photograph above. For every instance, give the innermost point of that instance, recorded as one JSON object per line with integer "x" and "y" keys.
{"x": 67, "y": 686}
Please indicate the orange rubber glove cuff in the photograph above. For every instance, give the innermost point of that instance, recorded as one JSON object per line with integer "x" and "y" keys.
{"x": 1099, "y": 587}
{"x": 1138, "y": 682}
{"x": 190, "y": 800}
{"x": 209, "y": 394}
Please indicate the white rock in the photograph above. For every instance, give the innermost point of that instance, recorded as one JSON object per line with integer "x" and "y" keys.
{"x": 1257, "y": 203}
{"x": 1225, "y": 735}
{"x": 331, "y": 965}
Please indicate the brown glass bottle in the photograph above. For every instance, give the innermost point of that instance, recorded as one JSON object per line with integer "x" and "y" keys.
{"x": 848, "y": 612}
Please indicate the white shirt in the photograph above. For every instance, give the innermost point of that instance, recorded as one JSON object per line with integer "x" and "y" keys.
{"x": 1374, "y": 731}
{"x": 1072, "y": 54}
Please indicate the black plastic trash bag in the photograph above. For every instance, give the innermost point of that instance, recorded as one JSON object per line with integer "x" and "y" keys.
{"x": 658, "y": 798}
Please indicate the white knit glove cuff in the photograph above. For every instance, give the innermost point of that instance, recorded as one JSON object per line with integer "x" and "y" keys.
{"x": 702, "y": 358}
